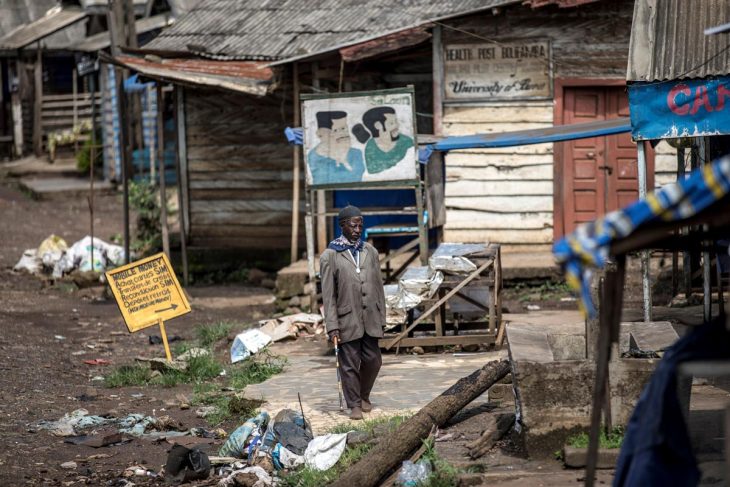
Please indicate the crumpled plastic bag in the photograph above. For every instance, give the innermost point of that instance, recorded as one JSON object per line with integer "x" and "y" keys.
{"x": 283, "y": 458}
{"x": 235, "y": 445}
{"x": 247, "y": 343}
{"x": 292, "y": 431}
{"x": 51, "y": 250}
{"x": 29, "y": 262}
{"x": 185, "y": 464}
{"x": 325, "y": 451}
{"x": 71, "y": 424}
{"x": 78, "y": 257}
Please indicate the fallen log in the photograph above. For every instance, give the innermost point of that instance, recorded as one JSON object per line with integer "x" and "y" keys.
{"x": 396, "y": 447}
{"x": 497, "y": 427}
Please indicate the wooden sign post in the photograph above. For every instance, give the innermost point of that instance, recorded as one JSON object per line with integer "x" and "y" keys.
{"x": 148, "y": 293}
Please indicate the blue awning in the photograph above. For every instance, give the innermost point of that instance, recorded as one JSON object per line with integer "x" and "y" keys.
{"x": 555, "y": 133}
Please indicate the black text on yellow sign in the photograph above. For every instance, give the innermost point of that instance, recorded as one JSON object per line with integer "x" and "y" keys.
{"x": 147, "y": 292}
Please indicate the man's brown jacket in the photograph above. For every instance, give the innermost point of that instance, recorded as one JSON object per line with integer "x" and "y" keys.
{"x": 354, "y": 303}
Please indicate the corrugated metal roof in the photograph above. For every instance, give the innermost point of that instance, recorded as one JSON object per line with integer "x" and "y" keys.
{"x": 102, "y": 40}
{"x": 17, "y": 13}
{"x": 282, "y": 29}
{"x": 668, "y": 40}
{"x": 254, "y": 78}
{"x": 54, "y": 20}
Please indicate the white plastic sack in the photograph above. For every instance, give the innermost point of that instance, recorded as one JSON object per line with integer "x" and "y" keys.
{"x": 78, "y": 256}
{"x": 247, "y": 343}
{"x": 323, "y": 452}
{"x": 29, "y": 262}
{"x": 289, "y": 459}
{"x": 451, "y": 257}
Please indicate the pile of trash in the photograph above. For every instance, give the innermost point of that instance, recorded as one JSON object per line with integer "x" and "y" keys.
{"x": 262, "y": 446}
{"x": 289, "y": 327}
{"x": 81, "y": 425}
{"x": 55, "y": 258}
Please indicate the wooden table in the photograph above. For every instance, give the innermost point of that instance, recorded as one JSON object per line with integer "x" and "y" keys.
{"x": 487, "y": 274}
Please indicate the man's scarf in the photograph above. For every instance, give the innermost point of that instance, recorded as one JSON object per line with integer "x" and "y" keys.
{"x": 341, "y": 244}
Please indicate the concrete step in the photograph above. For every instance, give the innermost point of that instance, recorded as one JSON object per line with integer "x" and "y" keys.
{"x": 49, "y": 187}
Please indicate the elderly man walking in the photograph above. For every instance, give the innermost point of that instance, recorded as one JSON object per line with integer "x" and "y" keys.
{"x": 354, "y": 308}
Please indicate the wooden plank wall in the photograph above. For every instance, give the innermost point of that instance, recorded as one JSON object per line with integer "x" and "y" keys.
{"x": 240, "y": 170}
{"x": 506, "y": 195}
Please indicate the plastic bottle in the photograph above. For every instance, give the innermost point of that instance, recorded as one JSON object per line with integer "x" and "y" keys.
{"x": 412, "y": 473}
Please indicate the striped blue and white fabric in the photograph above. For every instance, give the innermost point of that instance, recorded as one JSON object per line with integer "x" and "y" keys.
{"x": 588, "y": 246}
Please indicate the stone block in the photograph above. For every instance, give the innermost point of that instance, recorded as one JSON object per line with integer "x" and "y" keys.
{"x": 567, "y": 347}
{"x": 578, "y": 457}
{"x": 290, "y": 280}
{"x": 501, "y": 393}
{"x": 528, "y": 345}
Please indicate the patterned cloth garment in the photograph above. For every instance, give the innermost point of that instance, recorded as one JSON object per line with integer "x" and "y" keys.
{"x": 588, "y": 246}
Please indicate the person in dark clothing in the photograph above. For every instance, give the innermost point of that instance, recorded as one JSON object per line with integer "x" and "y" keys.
{"x": 354, "y": 308}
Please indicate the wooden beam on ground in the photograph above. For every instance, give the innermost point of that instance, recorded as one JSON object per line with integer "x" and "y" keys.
{"x": 396, "y": 447}
{"x": 441, "y": 301}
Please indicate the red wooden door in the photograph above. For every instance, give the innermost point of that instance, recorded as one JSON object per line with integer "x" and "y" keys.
{"x": 599, "y": 174}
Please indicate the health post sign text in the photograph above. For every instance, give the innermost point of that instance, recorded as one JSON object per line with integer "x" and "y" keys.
{"x": 680, "y": 108}
{"x": 147, "y": 292}
{"x": 512, "y": 71}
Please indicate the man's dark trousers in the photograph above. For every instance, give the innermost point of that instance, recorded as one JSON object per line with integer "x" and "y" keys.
{"x": 360, "y": 361}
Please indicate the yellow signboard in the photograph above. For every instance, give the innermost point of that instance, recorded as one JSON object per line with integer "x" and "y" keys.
{"x": 147, "y": 292}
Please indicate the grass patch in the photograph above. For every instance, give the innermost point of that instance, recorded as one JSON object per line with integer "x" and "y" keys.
{"x": 256, "y": 369}
{"x": 611, "y": 440}
{"x": 443, "y": 474}
{"x": 199, "y": 369}
{"x": 128, "y": 375}
{"x": 307, "y": 477}
{"x": 209, "y": 334}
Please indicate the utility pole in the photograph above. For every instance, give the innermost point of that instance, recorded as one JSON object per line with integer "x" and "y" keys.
{"x": 116, "y": 21}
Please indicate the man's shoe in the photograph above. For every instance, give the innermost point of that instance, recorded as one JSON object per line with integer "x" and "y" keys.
{"x": 356, "y": 413}
{"x": 366, "y": 406}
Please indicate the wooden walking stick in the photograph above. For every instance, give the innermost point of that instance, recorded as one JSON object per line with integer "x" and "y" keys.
{"x": 339, "y": 379}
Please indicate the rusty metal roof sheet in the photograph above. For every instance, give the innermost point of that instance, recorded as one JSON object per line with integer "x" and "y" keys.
{"x": 43, "y": 28}
{"x": 668, "y": 40}
{"x": 287, "y": 29}
{"x": 102, "y": 40}
{"x": 254, "y": 78}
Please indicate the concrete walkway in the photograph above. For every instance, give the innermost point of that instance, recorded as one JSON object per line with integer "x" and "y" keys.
{"x": 406, "y": 382}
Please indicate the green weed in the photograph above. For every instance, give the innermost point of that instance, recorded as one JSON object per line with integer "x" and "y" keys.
{"x": 256, "y": 369}
{"x": 128, "y": 375}
{"x": 443, "y": 474}
{"x": 611, "y": 440}
{"x": 209, "y": 334}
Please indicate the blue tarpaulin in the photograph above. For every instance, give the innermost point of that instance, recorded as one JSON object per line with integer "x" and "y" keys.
{"x": 555, "y": 133}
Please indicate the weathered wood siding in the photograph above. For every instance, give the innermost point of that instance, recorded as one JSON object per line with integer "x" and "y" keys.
{"x": 506, "y": 195}
{"x": 240, "y": 170}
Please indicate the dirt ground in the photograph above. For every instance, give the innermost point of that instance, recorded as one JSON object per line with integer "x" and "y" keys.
{"x": 49, "y": 330}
